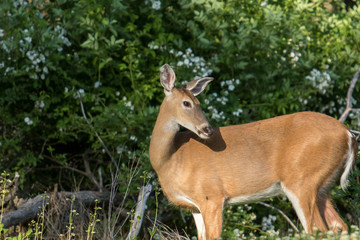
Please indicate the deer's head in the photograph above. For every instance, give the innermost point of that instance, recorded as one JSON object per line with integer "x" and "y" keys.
{"x": 182, "y": 104}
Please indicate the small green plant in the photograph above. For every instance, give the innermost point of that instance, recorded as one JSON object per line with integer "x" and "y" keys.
{"x": 153, "y": 230}
{"x": 93, "y": 220}
{"x": 4, "y": 182}
{"x": 38, "y": 225}
{"x": 69, "y": 233}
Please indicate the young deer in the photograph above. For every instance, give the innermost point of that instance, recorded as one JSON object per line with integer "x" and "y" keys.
{"x": 299, "y": 155}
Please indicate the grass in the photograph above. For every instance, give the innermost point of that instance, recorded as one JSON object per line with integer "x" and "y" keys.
{"x": 80, "y": 224}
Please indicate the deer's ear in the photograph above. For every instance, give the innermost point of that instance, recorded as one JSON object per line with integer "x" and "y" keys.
{"x": 198, "y": 85}
{"x": 167, "y": 78}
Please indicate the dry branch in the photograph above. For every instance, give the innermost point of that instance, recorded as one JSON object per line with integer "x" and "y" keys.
{"x": 33, "y": 206}
{"x": 139, "y": 212}
{"x": 349, "y": 107}
{"x": 282, "y": 213}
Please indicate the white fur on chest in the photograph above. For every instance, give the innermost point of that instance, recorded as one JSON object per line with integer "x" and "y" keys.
{"x": 272, "y": 191}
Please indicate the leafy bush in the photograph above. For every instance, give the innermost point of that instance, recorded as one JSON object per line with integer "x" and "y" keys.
{"x": 268, "y": 58}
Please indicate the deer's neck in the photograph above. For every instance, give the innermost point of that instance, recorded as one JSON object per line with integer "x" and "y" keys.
{"x": 162, "y": 142}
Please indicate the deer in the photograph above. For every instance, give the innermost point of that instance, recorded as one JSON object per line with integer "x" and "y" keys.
{"x": 202, "y": 169}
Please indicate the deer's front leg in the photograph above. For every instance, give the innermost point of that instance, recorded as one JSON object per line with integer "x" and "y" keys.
{"x": 209, "y": 220}
{"x": 200, "y": 225}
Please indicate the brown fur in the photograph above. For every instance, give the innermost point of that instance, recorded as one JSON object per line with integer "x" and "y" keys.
{"x": 305, "y": 152}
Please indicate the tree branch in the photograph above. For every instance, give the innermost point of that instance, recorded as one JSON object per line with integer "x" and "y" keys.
{"x": 87, "y": 173}
{"x": 96, "y": 134}
{"x": 349, "y": 107}
{"x": 282, "y": 213}
{"x": 139, "y": 212}
{"x": 33, "y": 206}
{"x": 64, "y": 166}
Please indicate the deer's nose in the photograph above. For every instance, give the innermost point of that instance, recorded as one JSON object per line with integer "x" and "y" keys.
{"x": 208, "y": 130}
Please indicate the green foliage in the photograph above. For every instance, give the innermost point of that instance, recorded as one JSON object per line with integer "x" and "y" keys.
{"x": 268, "y": 58}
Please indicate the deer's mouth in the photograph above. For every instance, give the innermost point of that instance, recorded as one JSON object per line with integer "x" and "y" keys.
{"x": 205, "y": 132}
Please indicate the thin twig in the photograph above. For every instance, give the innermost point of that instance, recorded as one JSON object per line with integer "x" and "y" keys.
{"x": 101, "y": 181}
{"x": 86, "y": 173}
{"x": 63, "y": 166}
{"x": 43, "y": 148}
{"x": 166, "y": 232}
{"x": 89, "y": 173}
{"x": 96, "y": 134}
{"x": 282, "y": 213}
{"x": 113, "y": 190}
{"x": 133, "y": 173}
{"x": 349, "y": 98}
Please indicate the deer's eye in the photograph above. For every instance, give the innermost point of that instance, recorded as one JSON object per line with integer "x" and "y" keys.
{"x": 186, "y": 104}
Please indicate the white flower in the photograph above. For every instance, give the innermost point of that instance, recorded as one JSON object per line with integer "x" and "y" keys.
{"x": 34, "y": 76}
{"x": 320, "y": 80}
{"x": 189, "y": 51}
{"x": 42, "y": 58}
{"x": 80, "y": 93}
{"x": 97, "y": 84}
{"x": 20, "y": 3}
{"x": 28, "y": 39}
{"x": 186, "y": 62}
{"x": 129, "y": 105}
{"x": 156, "y": 5}
{"x": 9, "y": 69}
{"x": 32, "y": 55}
{"x": 119, "y": 149}
{"x": 4, "y": 46}
{"x": 2, "y": 32}
{"x": 152, "y": 45}
{"x": 267, "y": 223}
{"x": 133, "y": 138}
{"x": 238, "y": 112}
{"x": 66, "y": 41}
{"x": 39, "y": 104}
{"x": 28, "y": 121}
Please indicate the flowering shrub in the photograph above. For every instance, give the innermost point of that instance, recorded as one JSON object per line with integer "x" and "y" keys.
{"x": 267, "y": 58}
